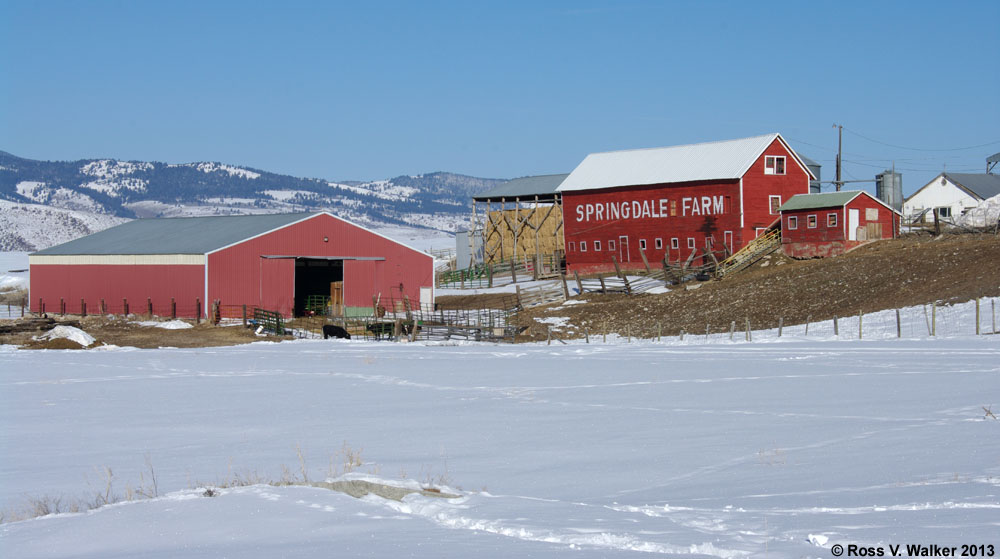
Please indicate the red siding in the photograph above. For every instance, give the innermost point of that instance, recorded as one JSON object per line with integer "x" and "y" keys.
{"x": 113, "y": 283}
{"x": 235, "y": 273}
{"x": 686, "y": 224}
{"x": 823, "y": 241}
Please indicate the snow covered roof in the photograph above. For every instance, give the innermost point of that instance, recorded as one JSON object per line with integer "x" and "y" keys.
{"x": 729, "y": 159}
{"x": 543, "y": 186}
{"x": 177, "y": 235}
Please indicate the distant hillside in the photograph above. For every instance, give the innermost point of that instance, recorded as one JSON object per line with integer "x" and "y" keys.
{"x": 129, "y": 189}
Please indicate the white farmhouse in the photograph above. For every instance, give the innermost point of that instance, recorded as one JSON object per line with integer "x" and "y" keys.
{"x": 950, "y": 195}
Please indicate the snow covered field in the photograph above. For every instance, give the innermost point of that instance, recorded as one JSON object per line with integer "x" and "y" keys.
{"x": 777, "y": 449}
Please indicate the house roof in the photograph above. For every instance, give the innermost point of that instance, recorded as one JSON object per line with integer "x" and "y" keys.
{"x": 983, "y": 186}
{"x": 178, "y": 235}
{"x": 729, "y": 159}
{"x": 825, "y": 200}
{"x": 543, "y": 186}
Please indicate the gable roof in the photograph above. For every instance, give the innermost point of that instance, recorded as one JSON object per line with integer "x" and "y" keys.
{"x": 983, "y": 186}
{"x": 543, "y": 186}
{"x": 176, "y": 235}
{"x": 826, "y": 200}
{"x": 729, "y": 159}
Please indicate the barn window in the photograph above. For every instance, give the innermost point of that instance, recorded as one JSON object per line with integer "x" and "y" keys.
{"x": 691, "y": 243}
{"x": 597, "y": 245}
{"x": 673, "y": 207}
{"x": 774, "y": 165}
{"x": 831, "y": 220}
{"x": 611, "y": 244}
{"x": 793, "y": 222}
{"x": 775, "y": 204}
{"x": 659, "y": 244}
{"x": 871, "y": 214}
{"x": 583, "y": 246}
{"x": 675, "y": 243}
{"x": 642, "y": 244}
{"x": 812, "y": 221}
{"x": 572, "y": 246}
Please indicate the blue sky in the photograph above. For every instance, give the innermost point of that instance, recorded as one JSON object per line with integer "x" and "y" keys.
{"x": 368, "y": 90}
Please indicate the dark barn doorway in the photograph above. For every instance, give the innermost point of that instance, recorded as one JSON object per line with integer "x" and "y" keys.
{"x": 313, "y": 277}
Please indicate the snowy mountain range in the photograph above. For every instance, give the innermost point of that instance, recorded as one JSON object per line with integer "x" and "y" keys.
{"x": 48, "y": 202}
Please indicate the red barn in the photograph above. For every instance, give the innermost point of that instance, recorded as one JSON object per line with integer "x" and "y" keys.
{"x": 669, "y": 202}
{"x": 271, "y": 261}
{"x": 819, "y": 225}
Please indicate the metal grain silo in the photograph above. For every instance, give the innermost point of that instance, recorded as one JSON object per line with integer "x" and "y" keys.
{"x": 889, "y": 188}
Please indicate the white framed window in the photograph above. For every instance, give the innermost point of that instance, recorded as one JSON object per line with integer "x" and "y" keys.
{"x": 774, "y": 164}
{"x": 642, "y": 244}
{"x": 583, "y": 246}
{"x": 691, "y": 243}
{"x": 943, "y": 211}
{"x": 659, "y": 244}
{"x": 831, "y": 220}
{"x": 775, "y": 203}
{"x": 675, "y": 243}
{"x": 811, "y": 221}
{"x": 611, "y": 244}
{"x": 793, "y": 222}
{"x": 597, "y": 246}
{"x": 572, "y": 246}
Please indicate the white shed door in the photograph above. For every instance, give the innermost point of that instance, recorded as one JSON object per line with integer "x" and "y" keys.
{"x": 427, "y": 298}
{"x": 853, "y": 220}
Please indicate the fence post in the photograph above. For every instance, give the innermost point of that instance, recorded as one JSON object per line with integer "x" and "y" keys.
{"x": 579, "y": 284}
{"x": 197, "y": 310}
{"x": 173, "y": 309}
{"x": 977, "y": 316}
{"x": 489, "y": 273}
{"x": 732, "y": 330}
{"x": 125, "y": 307}
{"x": 564, "y": 286}
{"x": 517, "y": 291}
{"x": 605, "y": 334}
{"x": 682, "y": 334}
{"x": 706, "y": 332}
{"x": 781, "y": 325}
{"x": 604, "y": 290}
{"x": 62, "y": 307}
{"x": 586, "y": 334}
{"x": 41, "y": 306}
{"x": 659, "y": 330}
{"x": 808, "y": 320}
{"x": 934, "y": 317}
{"x": 860, "y": 331}
{"x": 104, "y": 308}
{"x": 149, "y": 307}
{"x": 749, "y": 335}
{"x": 245, "y": 316}
{"x": 993, "y": 305}
{"x": 899, "y": 325}
{"x": 24, "y": 303}
{"x": 548, "y": 334}
{"x": 513, "y": 268}
{"x": 83, "y": 308}
{"x": 836, "y": 329}
{"x": 628, "y": 332}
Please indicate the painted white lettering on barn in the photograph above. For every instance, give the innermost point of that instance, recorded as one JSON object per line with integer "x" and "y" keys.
{"x": 646, "y": 209}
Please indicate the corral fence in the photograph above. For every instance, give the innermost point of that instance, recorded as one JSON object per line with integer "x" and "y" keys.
{"x": 497, "y": 274}
{"x": 148, "y": 307}
{"x": 423, "y": 323}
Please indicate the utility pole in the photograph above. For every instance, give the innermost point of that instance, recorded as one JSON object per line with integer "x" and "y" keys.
{"x": 840, "y": 145}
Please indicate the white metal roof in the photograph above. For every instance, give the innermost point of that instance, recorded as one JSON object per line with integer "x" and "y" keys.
{"x": 729, "y": 159}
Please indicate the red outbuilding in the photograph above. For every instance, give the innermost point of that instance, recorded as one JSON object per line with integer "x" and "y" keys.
{"x": 819, "y": 225}
{"x": 667, "y": 203}
{"x": 273, "y": 261}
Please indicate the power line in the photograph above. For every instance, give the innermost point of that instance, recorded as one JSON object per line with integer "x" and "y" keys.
{"x": 919, "y": 149}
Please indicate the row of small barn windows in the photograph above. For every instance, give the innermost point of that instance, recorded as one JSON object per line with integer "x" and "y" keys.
{"x": 811, "y": 221}
{"x": 675, "y": 244}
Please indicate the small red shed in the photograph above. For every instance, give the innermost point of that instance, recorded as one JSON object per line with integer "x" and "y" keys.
{"x": 820, "y": 225}
{"x": 272, "y": 261}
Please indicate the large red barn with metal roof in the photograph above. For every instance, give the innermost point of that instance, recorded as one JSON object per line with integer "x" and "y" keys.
{"x": 272, "y": 261}
{"x": 665, "y": 203}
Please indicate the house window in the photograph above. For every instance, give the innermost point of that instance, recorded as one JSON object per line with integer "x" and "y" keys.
{"x": 597, "y": 245}
{"x": 583, "y": 246}
{"x": 812, "y": 221}
{"x": 831, "y": 220}
{"x": 943, "y": 211}
{"x": 572, "y": 246}
{"x": 775, "y": 204}
{"x": 691, "y": 242}
{"x": 774, "y": 165}
{"x": 793, "y": 222}
{"x": 659, "y": 244}
{"x": 642, "y": 244}
{"x": 675, "y": 243}
{"x": 611, "y": 244}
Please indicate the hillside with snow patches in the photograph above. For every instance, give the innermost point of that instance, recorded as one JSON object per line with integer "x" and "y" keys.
{"x": 48, "y": 202}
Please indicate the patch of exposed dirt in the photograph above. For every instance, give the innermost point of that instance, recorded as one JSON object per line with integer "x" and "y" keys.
{"x": 913, "y": 270}
{"x": 121, "y": 332}
{"x": 475, "y": 302}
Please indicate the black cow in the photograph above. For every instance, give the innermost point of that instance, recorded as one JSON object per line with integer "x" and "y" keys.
{"x": 380, "y": 329}
{"x": 334, "y": 331}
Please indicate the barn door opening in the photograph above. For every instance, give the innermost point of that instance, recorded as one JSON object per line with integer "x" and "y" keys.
{"x": 853, "y": 220}
{"x": 313, "y": 279}
{"x": 623, "y": 255}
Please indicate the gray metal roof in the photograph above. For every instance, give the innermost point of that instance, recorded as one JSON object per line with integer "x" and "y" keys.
{"x": 723, "y": 160}
{"x": 543, "y": 186}
{"x": 179, "y": 235}
{"x": 825, "y": 200}
{"x": 982, "y": 185}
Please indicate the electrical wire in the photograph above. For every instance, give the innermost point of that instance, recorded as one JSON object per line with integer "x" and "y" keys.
{"x": 919, "y": 149}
